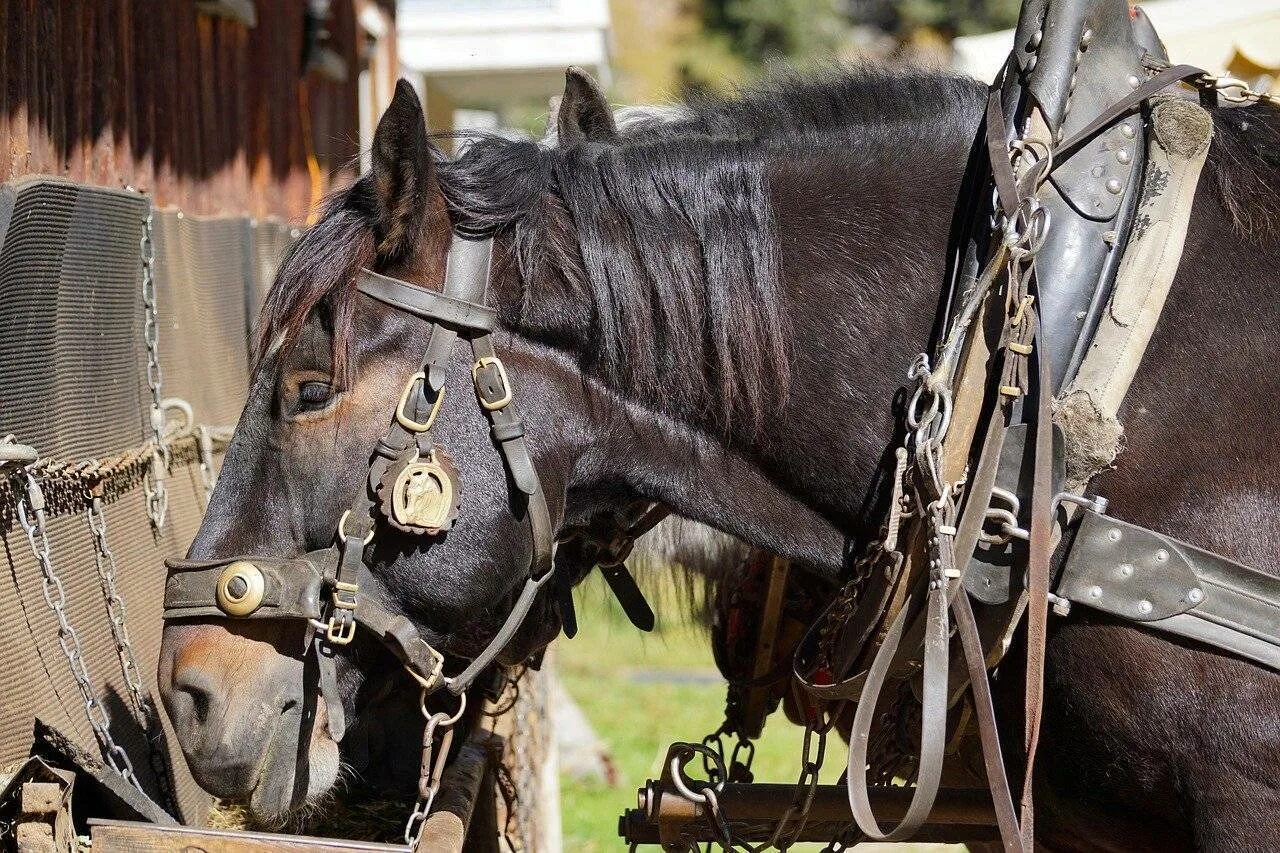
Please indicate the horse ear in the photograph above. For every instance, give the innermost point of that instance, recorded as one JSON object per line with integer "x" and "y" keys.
{"x": 403, "y": 174}
{"x": 584, "y": 114}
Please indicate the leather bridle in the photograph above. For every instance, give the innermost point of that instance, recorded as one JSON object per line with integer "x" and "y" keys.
{"x": 410, "y": 490}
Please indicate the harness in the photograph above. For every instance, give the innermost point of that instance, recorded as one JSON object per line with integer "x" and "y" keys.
{"x": 411, "y": 488}
{"x": 1074, "y": 211}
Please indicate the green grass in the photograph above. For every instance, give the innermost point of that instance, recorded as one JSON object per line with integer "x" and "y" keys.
{"x": 638, "y": 717}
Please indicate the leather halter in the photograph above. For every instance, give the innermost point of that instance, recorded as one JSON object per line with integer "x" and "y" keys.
{"x": 333, "y": 588}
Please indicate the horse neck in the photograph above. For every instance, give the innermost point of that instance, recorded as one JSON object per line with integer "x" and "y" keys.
{"x": 863, "y": 239}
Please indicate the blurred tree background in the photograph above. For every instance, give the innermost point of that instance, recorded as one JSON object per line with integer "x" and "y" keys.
{"x": 664, "y": 49}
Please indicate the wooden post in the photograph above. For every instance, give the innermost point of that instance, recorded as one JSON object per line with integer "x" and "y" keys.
{"x": 460, "y": 787}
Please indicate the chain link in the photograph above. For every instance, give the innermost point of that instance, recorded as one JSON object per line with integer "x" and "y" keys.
{"x": 105, "y": 563}
{"x": 66, "y": 483}
{"x": 204, "y": 449}
{"x": 154, "y": 481}
{"x": 432, "y": 767}
{"x": 33, "y": 519}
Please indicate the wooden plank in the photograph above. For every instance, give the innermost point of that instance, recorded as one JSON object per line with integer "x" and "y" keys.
{"x": 16, "y": 84}
{"x": 119, "y": 836}
{"x": 460, "y": 786}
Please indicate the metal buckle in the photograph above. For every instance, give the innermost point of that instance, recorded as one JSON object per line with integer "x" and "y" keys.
{"x": 409, "y": 423}
{"x": 496, "y": 363}
{"x": 341, "y": 628}
{"x": 435, "y": 677}
{"x": 350, "y": 590}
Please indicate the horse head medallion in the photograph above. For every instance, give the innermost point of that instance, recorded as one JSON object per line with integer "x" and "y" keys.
{"x": 420, "y": 496}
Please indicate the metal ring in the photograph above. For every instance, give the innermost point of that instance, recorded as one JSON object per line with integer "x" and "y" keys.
{"x": 342, "y": 534}
{"x": 677, "y": 771}
{"x": 250, "y": 599}
{"x": 443, "y": 720}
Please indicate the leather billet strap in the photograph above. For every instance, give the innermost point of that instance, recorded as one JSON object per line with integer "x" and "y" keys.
{"x": 430, "y": 305}
{"x": 460, "y": 311}
{"x": 1161, "y": 582}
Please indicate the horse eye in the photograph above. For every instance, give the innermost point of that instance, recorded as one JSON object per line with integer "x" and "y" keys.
{"x": 314, "y": 395}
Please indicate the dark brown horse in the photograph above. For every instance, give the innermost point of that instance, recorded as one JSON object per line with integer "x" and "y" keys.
{"x": 716, "y": 313}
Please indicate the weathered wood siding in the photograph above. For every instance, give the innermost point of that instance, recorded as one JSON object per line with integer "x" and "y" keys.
{"x": 203, "y": 112}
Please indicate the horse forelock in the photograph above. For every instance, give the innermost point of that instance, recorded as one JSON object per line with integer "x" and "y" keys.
{"x": 318, "y": 272}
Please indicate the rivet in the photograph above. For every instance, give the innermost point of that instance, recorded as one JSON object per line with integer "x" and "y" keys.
{"x": 1036, "y": 38}
{"x": 1195, "y": 595}
{"x": 1031, "y": 63}
{"x": 1134, "y": 81}
{"x": 1114, "y": 186}
{"x": 240, "y": 588}
{"x": 1114, "y": 534}
{"x": 1162, "y": 555}
{"x": 1127, "y": 131}
{"x": 1086, "y": 37}
{"x": 1097, "y": 171}
{"x": 1095, "y": 592}
{"x": 1124, "y": 156}
{"x": 1126, "y": 570}
{"x": 1144, "y": 607}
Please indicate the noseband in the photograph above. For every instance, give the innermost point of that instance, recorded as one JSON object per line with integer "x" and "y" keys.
{"x": 410, "y": 490}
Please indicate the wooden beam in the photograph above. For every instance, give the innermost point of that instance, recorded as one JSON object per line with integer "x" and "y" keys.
{"x": 960, "y": 814}
{"x": 119, "y": 836}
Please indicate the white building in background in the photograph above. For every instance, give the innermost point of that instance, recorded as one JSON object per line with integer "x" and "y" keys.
{"x": 474, "y": 55}
{"x": 1240, "y": 37}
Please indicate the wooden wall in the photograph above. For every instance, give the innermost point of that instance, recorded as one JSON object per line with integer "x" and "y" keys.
{"x": 205, "y": 113}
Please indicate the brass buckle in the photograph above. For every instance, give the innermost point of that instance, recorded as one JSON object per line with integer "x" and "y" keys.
{"x": 341, "y": 630}
{"x": 431, "y": 680}
{"x": 342, "y": 622}
{"x": 409, "y": 423}
{"x": 496, "y": 363}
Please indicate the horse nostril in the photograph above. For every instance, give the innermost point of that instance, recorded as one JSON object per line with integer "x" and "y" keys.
{"x": 199, "y": 688}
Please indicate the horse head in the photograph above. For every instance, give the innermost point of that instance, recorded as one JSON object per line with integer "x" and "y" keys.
{"x": 334, "y": 365}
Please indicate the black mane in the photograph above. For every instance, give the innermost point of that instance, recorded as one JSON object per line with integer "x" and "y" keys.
{"x": 665, "y": 243}
{"x": 667, "y": 239}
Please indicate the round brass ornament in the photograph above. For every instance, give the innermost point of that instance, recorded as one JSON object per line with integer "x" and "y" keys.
{"x": 420, "y": 496}
{"x": 240, "y": 589}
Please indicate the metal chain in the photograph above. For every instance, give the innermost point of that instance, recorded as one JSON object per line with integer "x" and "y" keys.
{"x": 32, "y": 518}
{"x": 208, "y": 477}
{"x": 432, "y": 767}
{"x": 154, "y": 482}
{"x": 105, "y": 562}
{"x": 813, "y": 754}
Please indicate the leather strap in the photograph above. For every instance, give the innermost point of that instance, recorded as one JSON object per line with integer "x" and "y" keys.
{"x": 431, "y": 305}
{"x": 933, "y": 726}
{"x": 1153, "y": 85}
{"x": 1040, "y": 552}
{"x": 988, "y": 731}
